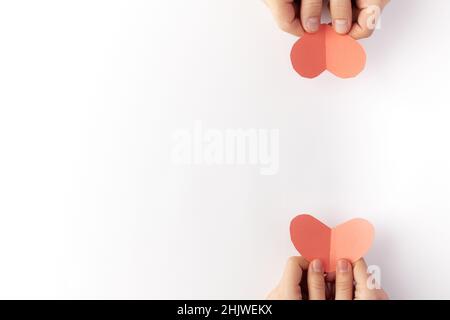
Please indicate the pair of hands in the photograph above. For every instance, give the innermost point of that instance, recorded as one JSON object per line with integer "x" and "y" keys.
{"x": 354, "y": 17}
{"x": 302, "y": 280}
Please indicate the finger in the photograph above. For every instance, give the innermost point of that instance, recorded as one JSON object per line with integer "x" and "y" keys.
{"x": 366, "y": 22}
{"x": 362, "y": 292}
{"x": 360, "y": 273}
{"x": 311, "y": 11}
{"x": 363, "y": 28}
{"x": 286, "y": 14}
{"x": 316, "y": 281}
{"x": 292, "y": 276}
{"x": 344, "y": 280}
{"x": 362, "y": 279}
{"x": 341, "y": 15}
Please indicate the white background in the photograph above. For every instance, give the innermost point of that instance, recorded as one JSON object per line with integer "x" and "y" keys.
{"x": 92, "y": 207}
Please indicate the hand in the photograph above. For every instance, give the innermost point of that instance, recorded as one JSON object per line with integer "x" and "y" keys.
{"x": 356, "y": 18}
{"x": 362, "y": 291}
{"x": 306, "y": 281}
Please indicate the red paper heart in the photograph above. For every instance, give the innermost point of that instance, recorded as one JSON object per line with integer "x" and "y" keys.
{"x": 326, "y": 50}
{"x": 314, "y": 240}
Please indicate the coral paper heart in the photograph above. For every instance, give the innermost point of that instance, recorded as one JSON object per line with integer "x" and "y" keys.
{"x": 326, "y": 50}
{"x": 314, "y": 240}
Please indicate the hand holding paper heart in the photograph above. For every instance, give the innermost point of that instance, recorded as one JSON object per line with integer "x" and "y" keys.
{"x": 300, "y": 282}
{"x": 326, "y": 50}
{"x": 356, "y": 18}
{"x": 314, "y": 240}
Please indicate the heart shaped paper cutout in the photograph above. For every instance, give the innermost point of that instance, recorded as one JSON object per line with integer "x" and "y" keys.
{"x": 327, "y": 50}
{"x": 314, "y": 240}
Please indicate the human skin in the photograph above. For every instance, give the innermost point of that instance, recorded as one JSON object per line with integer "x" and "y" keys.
{"x": 302, "y": 280}
{"x": 355, "y": 18}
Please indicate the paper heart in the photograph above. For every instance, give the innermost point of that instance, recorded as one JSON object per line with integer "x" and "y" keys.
{"x": 314, "y": 240}
{"x": 326, "y": 50}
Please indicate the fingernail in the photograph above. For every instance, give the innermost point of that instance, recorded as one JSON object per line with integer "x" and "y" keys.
{"x": 341, "y": 26}
{"x": 312, "y": 24}
{"x": 317, "y": 266}
{"x": 343, "y": 266}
